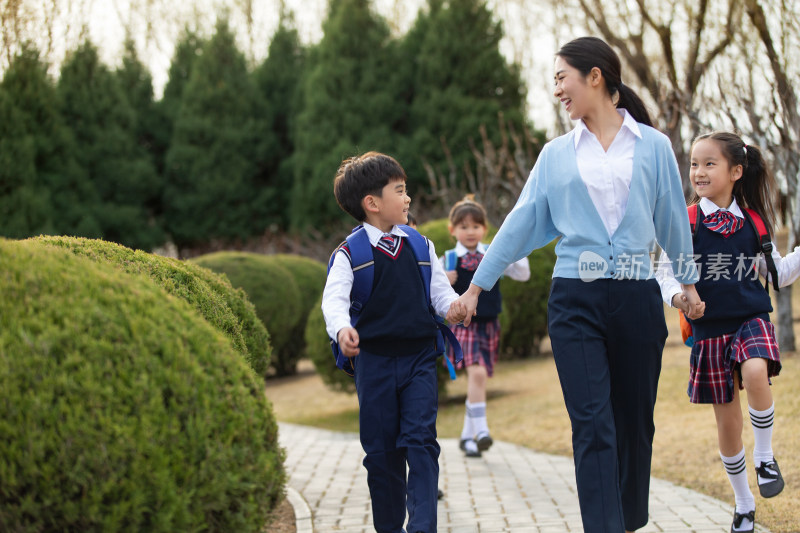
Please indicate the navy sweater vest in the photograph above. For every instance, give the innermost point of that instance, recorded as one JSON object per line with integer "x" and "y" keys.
{"x": 396, "y": 320}
{"x": 490, "y": 303}
{"x": 729, "y": 286}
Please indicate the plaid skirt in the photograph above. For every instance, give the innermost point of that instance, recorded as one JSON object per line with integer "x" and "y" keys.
{"x": 713, "y": 361}
{"x": 479, "y": 343}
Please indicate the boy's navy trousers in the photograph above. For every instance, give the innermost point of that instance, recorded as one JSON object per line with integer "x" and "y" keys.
{"x": 607, "y": 338}
{"x": 398, "y": 401}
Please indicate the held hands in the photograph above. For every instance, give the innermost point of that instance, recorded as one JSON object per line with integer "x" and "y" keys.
{"x": 348, "y": 342}
{"x": 456, "y": 313}
{"x": 469, "y": 301}
{"x": 689, "y": 302}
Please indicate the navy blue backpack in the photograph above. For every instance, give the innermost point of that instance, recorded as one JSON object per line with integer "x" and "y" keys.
{"x": 363, "y": 274}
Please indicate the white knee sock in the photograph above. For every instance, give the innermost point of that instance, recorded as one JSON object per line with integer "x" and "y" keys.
{"x": 467, "y": 432}
{"x": 477, "y": 413}
{"x": 762, "y": 431}
{"x": 736, "y": 468}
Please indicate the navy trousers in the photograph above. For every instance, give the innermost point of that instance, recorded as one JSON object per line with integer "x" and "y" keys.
{"x": 398, "y": 403}
{"x": 607, "y": 338}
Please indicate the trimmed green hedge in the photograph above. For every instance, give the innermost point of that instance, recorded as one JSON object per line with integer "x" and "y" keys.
{"x": 212, "y": 296}
{"x": 318, "y": 348}
{"x": 122, "y": 409}
{"x": 275, "y": 294}
{"x": 523, "y": 322}
{"x": 310, "y": 276}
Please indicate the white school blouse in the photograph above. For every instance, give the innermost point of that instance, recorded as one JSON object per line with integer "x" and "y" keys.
{"x": 607, "y": 174}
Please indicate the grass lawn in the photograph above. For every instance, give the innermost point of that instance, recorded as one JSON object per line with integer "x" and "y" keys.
{"x": 526, "y": 407}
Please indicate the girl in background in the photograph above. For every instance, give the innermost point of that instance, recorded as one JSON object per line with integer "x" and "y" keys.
{"x": 468, "y": 224}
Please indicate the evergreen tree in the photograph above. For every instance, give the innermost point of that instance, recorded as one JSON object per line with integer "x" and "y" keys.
{"x": 351, "y": 104}
{"x": 24, "y": 202}
{"x": 187, "y": 50}
{"x": 137, "y": 86}
{"x": 104, "y": 127}
{"x": 460, "y": 82}
{"x": 278, "y": 79}
{"x": 213, "y": 190}
{"x": 43, "y": 191}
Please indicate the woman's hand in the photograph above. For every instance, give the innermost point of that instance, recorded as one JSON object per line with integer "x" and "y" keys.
{"x": 470, "y": 302}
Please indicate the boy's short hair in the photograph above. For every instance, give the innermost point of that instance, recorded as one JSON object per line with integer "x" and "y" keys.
{"x": 362, "y": 175}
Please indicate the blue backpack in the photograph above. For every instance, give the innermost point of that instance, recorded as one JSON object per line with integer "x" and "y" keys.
{"x": 363, "y": 273}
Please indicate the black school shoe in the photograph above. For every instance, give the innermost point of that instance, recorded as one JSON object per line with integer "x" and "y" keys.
{"x": 484, "y": 441}
{"x": 739, "y": 518}
{"x": 770, "y": 471}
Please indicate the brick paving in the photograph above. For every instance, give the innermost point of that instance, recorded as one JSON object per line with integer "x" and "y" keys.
{"x": 510, "y": 489}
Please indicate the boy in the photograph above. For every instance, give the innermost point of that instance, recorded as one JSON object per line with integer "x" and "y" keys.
{"x": 395, "y": 371}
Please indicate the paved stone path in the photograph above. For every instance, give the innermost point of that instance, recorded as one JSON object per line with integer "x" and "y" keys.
{"x": 510, "y": 489}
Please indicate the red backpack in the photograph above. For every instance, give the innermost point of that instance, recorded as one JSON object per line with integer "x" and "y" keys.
{"x": 765, "y": 245}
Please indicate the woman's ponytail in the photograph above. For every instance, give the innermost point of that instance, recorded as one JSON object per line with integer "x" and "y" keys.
{"x": 586, "y": 53}
{"x": 630, "y": 101}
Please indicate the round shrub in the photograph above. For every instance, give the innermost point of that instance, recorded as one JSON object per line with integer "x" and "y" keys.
{"x": 524, "y": 318}
{"x": 436, "y": 231}
{"x": 318, "y": 348}
{"x": 122, "y": 408}
{"x": 274, "y": 293}
{"x": 310, "y": 276}
{"x": 211, "y": 295}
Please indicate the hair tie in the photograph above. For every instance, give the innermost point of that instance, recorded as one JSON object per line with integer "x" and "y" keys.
{"x": 745, "y": 149}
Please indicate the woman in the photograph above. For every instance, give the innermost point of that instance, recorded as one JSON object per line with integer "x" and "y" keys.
{"x": 609, "y": 189}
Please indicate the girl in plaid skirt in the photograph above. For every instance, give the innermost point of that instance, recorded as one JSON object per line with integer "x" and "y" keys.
{"x": 479, "y": 341}
{"x": 734, "y": 342}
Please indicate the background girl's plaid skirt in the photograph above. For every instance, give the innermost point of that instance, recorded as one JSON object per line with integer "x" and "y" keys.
{"x": 479, "y": 343}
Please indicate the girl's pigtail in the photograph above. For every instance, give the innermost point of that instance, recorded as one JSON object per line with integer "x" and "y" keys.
{"x": 756, "y": 188}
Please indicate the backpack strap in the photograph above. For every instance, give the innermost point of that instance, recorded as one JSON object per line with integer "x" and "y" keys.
{"x": 695, "y": 217}
{"x": 450, "y": 259}
{"x": 359, "y": 253}
{"x": 363, "y": 271}
{"x": 765, "y": 245}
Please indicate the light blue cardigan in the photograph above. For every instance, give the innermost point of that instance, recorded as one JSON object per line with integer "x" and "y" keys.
{"x": 555, "y": 203}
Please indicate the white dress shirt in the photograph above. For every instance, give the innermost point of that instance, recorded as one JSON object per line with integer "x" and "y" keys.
{"x": 788, "y": 267}
{"x": 518, "y": 271}
{"x": 336, "y": 295}
{"x": 607, "y": 174}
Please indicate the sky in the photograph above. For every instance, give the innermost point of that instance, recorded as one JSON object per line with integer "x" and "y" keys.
{"x": 526, "y": 24}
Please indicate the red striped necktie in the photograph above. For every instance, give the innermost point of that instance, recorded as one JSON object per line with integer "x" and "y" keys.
{"x": 723, "y": 222}
{"x": 471, "y": 260}
{"x": 389, "y": 243}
